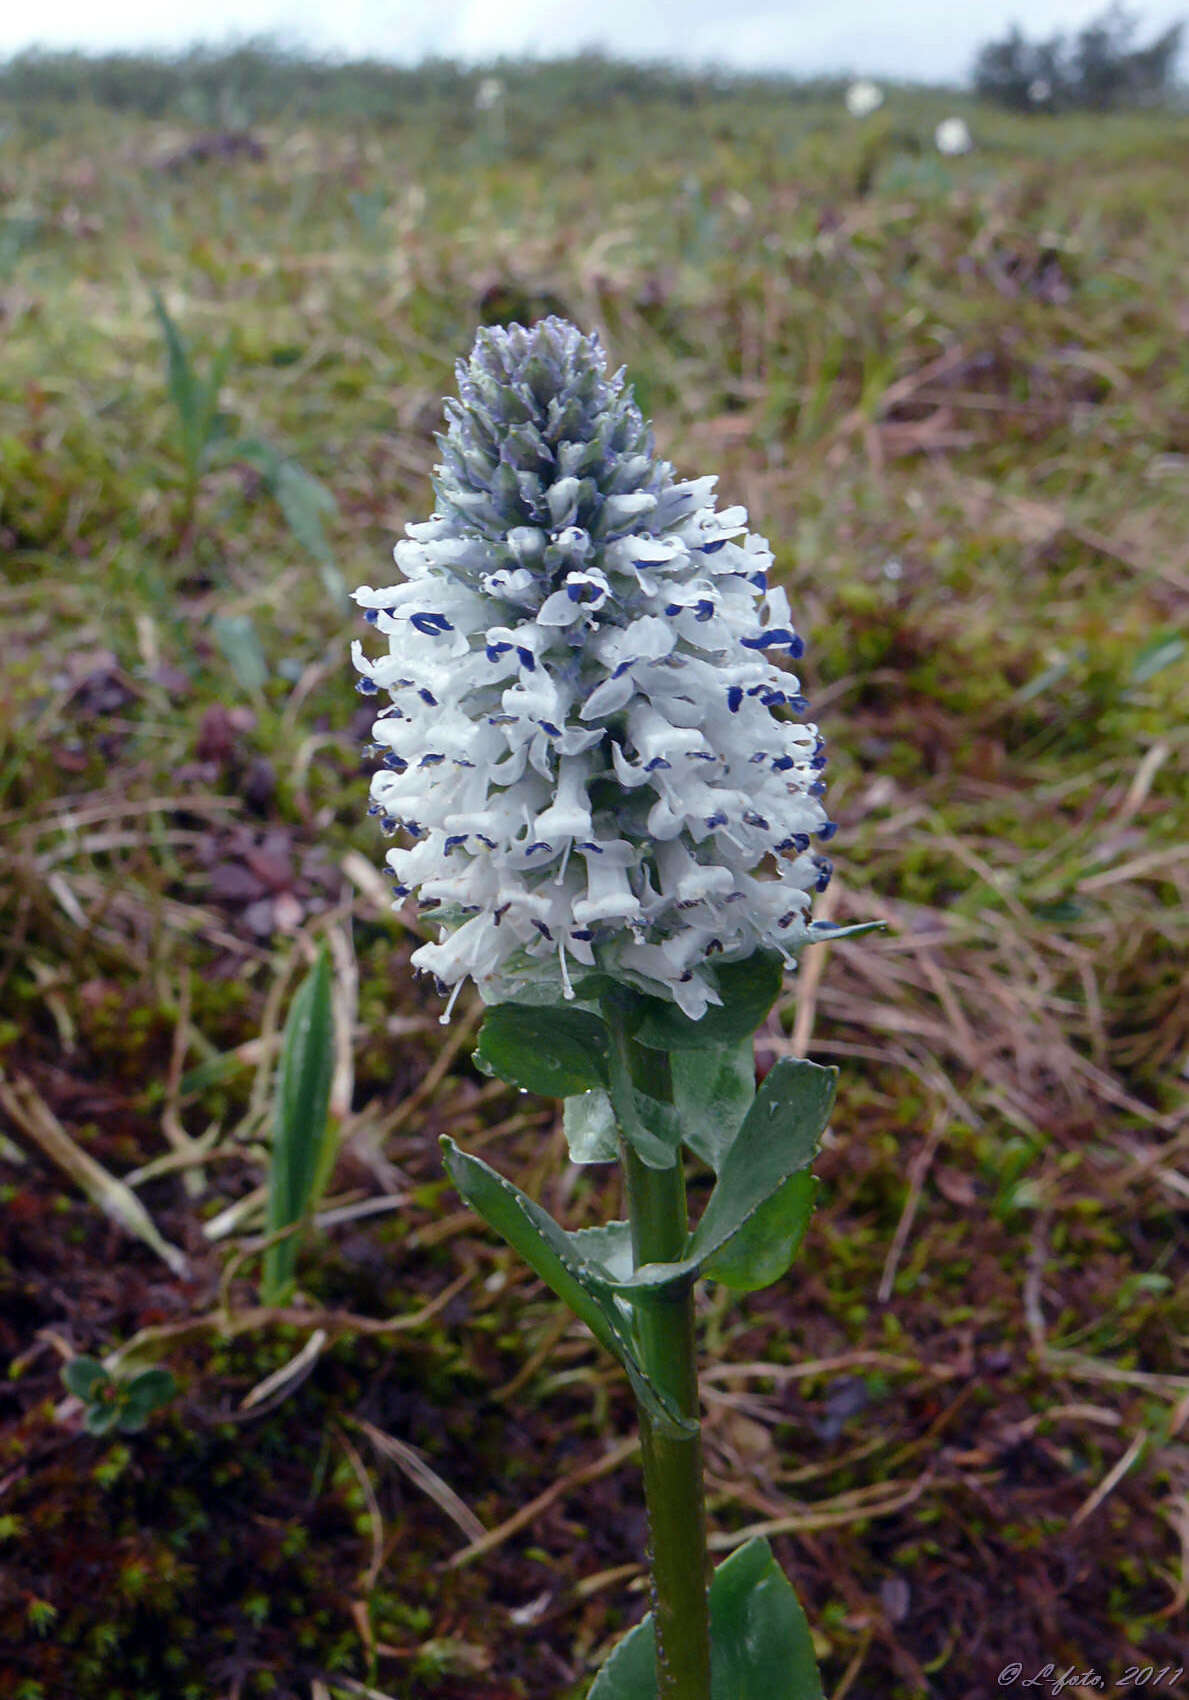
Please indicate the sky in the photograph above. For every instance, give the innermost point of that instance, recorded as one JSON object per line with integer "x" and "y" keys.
{"x": 927, "y": 40}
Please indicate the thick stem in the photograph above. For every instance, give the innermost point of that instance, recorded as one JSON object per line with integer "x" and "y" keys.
{"x": 672, "y": 1465}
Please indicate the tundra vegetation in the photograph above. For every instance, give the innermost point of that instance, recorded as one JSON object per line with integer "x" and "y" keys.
{"x": 952, "y": 393}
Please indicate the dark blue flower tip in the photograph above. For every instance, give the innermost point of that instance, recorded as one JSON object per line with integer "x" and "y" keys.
{"x": 431, "y": 625}
{"x": 366, "y": 687}
{"x": 527, "y": 659}
{"x": 717, "y": 819}
{"x": 453, "y": 842}
{"x": 657, "y": 765}
{"x": 704, "y": 610}
{"x": 483, "y": 839}
{"x": 543, "y": 930}
{"x": 674, "y": 608}
{"x": 371, "y": 615}
{"x": 759, "y": 580}
{"x": 713, "y": 547}
{"x": 825, "y": 870}
{"x": 583, "y": 933}
{"x": 751, "y": 818}
{"x": 778, "y": 637}
{"x": 798, "y": 704}
{"x": 818, "y": 788}
{"x": 783, "y": 763}
{"x": 427, "y": 696}
{"x": 819, "y": 762}
{"x": 734, "y": 697}
{"x": 539, "y": 845}
{"x": 622, "y": 669}
{"x": 502, "y": 719}
{"x": 589, "y": 844}
{"x": 432, "y": 758}
{"x": 825, "y": 833}
{"x": 374, "y": 809}
{"x": 389, "y": 823}
{"x": 495, "y": 650}
{"x": 401, "y": 891}
{"x": 395, "y": 763}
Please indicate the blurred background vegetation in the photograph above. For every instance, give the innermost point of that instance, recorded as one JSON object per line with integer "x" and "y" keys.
{"x": 953, "y": 393}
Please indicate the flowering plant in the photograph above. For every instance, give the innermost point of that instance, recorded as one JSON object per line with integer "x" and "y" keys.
{"x": 608, "y": 803}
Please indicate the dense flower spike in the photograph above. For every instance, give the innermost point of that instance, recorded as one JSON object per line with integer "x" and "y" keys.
{"x": 588, "y": 748}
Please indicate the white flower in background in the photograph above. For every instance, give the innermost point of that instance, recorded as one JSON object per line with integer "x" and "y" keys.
{"x": 1040, "y": 89}
{"x": 489, "y": 94}
{"x": 588, "y": 749}
{"x": 953, "y": 137}
{"x": 863, "y": 98}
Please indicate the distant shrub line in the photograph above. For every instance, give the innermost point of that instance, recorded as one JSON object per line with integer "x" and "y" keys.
{"x": 261, "y": 80}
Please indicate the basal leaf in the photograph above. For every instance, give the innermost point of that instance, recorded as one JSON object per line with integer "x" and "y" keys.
{"x": 760, "y": 1644}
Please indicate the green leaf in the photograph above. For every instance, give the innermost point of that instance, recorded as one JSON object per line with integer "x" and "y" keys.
{"x": 764, "y": 1247}
{"x": 607, "y": 1249}
{"x": 760, "y": 1643}
{"x": 589, "y": 1124}
{"x": 778, "y": 1137}
{"x": 183, "y": 388}
{"x": 84, "y": 1377}
{"x": 300, "y": 1120}
{"x": 654, "y": 1129}
{"x": 712, "y": 1091}
{"x": 556, "y": 1052}
{"x": 101, "y": 1419}
{"x": 305, "y": 502}
{"x": 149, "y": 1391}
{"x": 553, "y": 1255}
{"x": 748, "y": 990}
{"x": 825, "y": 932}
{"x": 236, "y": 637}
{"x": 1164, "y": 650}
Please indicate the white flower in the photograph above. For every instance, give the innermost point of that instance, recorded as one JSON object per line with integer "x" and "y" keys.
{"x": 489, "y": 94}
{"x": 863, "y": 98}
{"x": 588, "y": 749}
{"x": 1040, "y": 89}
{"x": 953, "y": 137}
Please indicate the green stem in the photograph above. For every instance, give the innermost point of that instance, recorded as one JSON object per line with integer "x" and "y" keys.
{"x": 673, "y": 1486}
